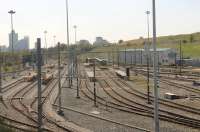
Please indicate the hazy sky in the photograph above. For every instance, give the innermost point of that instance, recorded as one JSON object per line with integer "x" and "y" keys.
{"x": 112, "y": 19}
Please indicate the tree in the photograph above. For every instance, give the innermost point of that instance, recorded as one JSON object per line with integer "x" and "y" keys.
{"x": 191, "y": 38}
{"x": 120, "y": 41}
{"x": 184, "y": 41}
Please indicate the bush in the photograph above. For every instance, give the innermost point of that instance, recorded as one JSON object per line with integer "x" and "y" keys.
{"x": 184, "y": 41}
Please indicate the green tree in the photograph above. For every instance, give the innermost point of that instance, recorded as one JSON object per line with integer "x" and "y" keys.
{"x": 191, "y": 38}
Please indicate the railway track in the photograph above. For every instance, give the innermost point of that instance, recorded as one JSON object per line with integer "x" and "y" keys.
{"x": 161, "y": 101}
{"x": 126, "y": 107}
{"x": 175, "y": 118}
{"x": 20, "y": 104}
{"x": 16, "y": 102}
{"x": 171, "y": 71}
{"x": 168, "y": 81}
{"x": 109, "y": 104}
{"x": 12, "y": 85}
{"x": 181, "y": 86}
{"x": 124, "y": 85}
{"x": 89, "y": 94}
{"x": 46, "y": 92}
{"x": 105, "y": 119}
{"x": 18, "y": 125}
{"x": 164, "y": 115}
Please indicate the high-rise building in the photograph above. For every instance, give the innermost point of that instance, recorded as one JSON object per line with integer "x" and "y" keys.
{"x": 13, "y": 37}
{"x": 18, "y": 45}
{"x": 23, "y": 44}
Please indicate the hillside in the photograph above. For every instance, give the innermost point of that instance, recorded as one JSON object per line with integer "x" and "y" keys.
{"x": 190, "y": 44}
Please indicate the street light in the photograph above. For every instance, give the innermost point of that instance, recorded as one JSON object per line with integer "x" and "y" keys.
{"x": 76, "y": 61}
{"x": 45, "y": 39}
{"x": 156, "y": 107}
{"x": 67, "y": 23}
{"x": 11, "y": 12}
{"x": 148, "y": 44}
{"x": 75, "y": 31}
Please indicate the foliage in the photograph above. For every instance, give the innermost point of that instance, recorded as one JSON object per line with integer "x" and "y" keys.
{"x": 191, "y": 38}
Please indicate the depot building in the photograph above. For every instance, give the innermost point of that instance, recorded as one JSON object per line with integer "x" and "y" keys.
{"x": 165, "y": 56}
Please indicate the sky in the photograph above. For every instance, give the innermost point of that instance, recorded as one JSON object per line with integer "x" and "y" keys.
{"x": 111, "y": 19}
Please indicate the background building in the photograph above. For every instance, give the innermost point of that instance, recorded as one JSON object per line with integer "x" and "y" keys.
{"x": 166, "y": 56}
{"x": 15, "y": 40}
{"x": 84, "y": 42}
{"x": 100, "y": 42}
{"x": 3, "y": 48}
{"x": 23, "y": 44}
{"x": 18, "y": 45}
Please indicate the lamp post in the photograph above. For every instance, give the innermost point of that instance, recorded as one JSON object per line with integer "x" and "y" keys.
{"x": 67, "y": 23}
{"x": 148, "y": 88}
{"x": 75, "y": 33}
{"x": 11, "y": 12}
{"x": 156, "y": 115}
{"x": 45, "y": 39}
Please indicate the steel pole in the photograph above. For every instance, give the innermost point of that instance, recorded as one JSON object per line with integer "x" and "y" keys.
{"x": 1, "y": 62}
{"x": 118, "y": 57}
{"x": 45, "y": 39}
{"x": 135, "y": 57}
{"x": 156, "y": 115}
{"x": 67, "y": 23}
{"x": 11, "y": 12}
{"x": 60, "y": 112}
{"x": 148, "y": 87}
{"x": 113, "y": 58}
{"x": 39, "y": 85}
{"x": 125, "y": 57}
{"x": 75, "y": 33}
{"x": 180, "y": 72}
{"x": 94, "y": 71}
{"x": 78, "y": 96}
{"x": 12, "y": 33}
{"x": 135, "y": 62}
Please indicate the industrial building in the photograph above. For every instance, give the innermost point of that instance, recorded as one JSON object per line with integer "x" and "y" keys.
{"x": 100, "y": 42}
{"x": 166, "y": 56}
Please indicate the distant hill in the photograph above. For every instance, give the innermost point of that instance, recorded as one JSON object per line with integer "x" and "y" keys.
{"x": 190, "y": 44}
{"x": 172, "y": 39}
